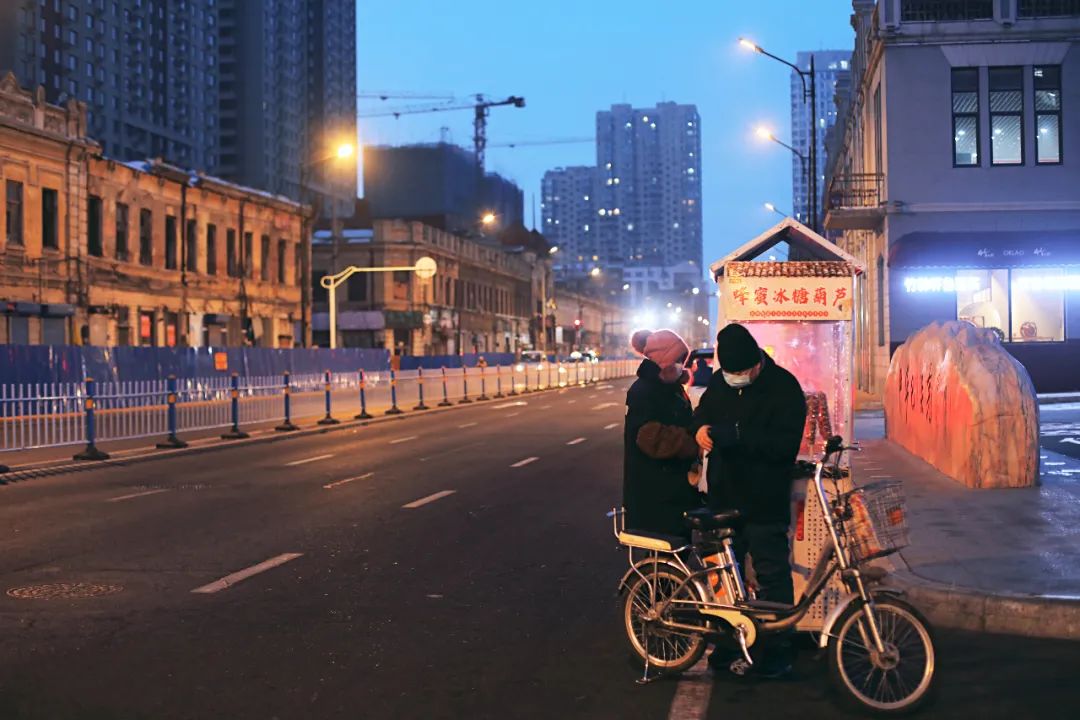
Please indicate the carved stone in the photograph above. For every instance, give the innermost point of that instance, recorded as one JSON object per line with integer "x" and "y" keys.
{"x": 957, "y": 399}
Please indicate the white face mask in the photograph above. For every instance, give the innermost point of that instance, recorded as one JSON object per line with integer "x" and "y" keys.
{"x": 737, "y": 381}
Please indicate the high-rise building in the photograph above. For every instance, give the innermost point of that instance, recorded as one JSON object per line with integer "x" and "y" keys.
{"x": 146, "y": 70}
{"x": 249, "y": 90}
{"x": 648, "y": 189}
{"x": 569, "y": 219}
{"x": 830, "y": 67}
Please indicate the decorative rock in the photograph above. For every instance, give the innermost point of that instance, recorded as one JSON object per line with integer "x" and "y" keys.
{"x": 957, "y": 399}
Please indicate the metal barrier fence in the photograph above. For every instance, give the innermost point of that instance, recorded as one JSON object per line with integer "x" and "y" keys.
{"x": 59, "y": 414}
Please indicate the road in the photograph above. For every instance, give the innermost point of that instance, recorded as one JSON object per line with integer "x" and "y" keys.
{"x": 427, "y": 568}
{"x": 1060, "y": 428}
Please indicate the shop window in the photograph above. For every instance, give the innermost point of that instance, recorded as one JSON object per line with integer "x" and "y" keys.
{"x": 170, "y": 242}
{"x": 146, "y": 237}
{"x": 1038, "y": 305}
{"x": 211, "y": 249}
{"x": 1006, "y": 116}
{"x": 13, "y": 218}
{"x": 49, "y": 219}
{"x": 1047, "y": 80}
{"x": 982, "y": 298}
{"x": 965, "y": 123}
{"x": 121, "y": 239}
{"x": 191, "y": 250}
{"x": 93, "y": 226}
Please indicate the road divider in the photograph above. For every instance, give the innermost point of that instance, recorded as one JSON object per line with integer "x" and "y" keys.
{"x": 241, "y": 575}
{"x": 429, "y": 499}
{"x": 336, "y": 483}
{"x": 305, "y": 461}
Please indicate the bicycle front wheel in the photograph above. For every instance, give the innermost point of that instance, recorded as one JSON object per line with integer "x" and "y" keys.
{"x": 668, "y": 650}
{"x": 895, "y": 682}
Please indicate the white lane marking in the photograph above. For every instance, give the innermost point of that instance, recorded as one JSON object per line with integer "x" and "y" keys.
{"x": 611, "y": 426}
{"x": 402, "y": 440}
{"x": 466, "y": 425}
{"x": 874, "y": 477}
{"x": 576, "y": 441}
{"x": 691, "y": 700}
{"x": 604, "y": 387}
{"x": 233, "y": 578}
{"x": 602, "y": 406}
{"x": 512, "y": 414}
{"x": 519, "y": 403}
{"x": 305, "y": 461}
{"x": 594, "y": 396}
{"x": 546, "y": 407}
{"x": 429, "y": 499}
{"x": 526, "y": 461}
{"x": 334, "y": 484}
{"x": 571, "y": 402}
{"x": 138, "y": 494}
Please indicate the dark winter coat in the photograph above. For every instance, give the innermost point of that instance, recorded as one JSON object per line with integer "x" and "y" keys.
{"x": 755, "y": 474}
{"x": 659, "y": 451}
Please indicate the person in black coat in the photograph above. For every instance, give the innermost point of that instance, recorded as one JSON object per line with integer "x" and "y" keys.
{"x": 659, "y": 447}
{"x": 750, "y": 420}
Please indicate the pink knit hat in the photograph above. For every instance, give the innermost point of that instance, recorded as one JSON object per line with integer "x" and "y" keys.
{"x": 666, "y": 349}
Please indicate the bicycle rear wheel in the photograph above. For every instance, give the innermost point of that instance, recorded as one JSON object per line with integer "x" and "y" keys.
{"x": 896, "y": 682}
{"x": 668, "y": 650}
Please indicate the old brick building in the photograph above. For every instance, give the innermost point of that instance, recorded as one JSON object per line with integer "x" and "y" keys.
{"x": 100, "y": 252}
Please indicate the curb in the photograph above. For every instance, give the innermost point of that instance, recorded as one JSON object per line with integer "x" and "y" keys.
{"x": 1058, "y": 398}
{"x": 962, "y": 608}
{"x": 29, "y": 471}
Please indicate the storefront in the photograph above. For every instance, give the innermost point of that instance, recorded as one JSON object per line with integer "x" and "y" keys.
{"x": 1025, "y": 286}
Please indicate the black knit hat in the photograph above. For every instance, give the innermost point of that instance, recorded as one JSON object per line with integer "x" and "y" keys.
{"x": 736, "y": 349}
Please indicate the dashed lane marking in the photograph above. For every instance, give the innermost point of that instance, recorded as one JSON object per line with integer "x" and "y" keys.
{"x": 604, "y": 406}
{"x": 403, "y": 440}
{"x": 519, "y": 403}
{"x": 241, "y": 575}
{"x": 546, "y": 407}
{"x": 523, "y": 463}
{"x": 305, "y": 461}
{"x": 136, "y": 495}
{"x": 334, "y": 484}
{"x": 466, "y": 425}
{"x": 429, "y": 499}
{"x": 612, "y": 426}
{"x": 576, "y": 441}
{"x": 691, "y": 700}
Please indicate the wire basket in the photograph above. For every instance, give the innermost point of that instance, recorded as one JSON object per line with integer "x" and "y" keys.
{"x": 878, "y": 523}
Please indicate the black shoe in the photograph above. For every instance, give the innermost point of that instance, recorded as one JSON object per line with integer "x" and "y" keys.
{"x": 761, "y": 670}
{"x": 721, "y": 657}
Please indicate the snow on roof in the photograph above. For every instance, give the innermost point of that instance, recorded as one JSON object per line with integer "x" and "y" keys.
{"x": 195, "y": 178}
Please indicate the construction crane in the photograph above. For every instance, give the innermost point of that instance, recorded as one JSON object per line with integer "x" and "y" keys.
{"x": 481, "y": 107}
{"x": 400, "y": 95}
{"x": 556, "y": 141}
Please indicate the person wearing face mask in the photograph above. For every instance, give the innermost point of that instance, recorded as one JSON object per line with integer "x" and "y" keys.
{"x": 659, "y": 448}
{"x": 750, "y": 421}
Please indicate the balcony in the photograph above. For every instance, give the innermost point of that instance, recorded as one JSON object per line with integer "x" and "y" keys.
{"x": 854, "y": 202}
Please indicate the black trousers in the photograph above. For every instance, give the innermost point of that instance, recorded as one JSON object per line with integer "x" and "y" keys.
{"x": 768, "y": 547}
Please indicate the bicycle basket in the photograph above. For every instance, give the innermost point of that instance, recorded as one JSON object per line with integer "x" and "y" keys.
{"x": 878, "y": 523}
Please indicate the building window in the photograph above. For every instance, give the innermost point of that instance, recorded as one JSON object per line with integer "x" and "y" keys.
{"x": 1047, "y": 114}
{"x": 1048, "y": 8}
{"x": 211, "y": 249}
{"x": 170, "y": 242}
{"x": 298, "y": 264}
{"x": 281, "y": 245}
{"x": 93, "y": 227}
{"x": 1006, "y": 116}
{"x": 231, "y": 267}
{"x": 965, "y": 110}
{"x": 247, "y": 260}
{"x": 146, "y": 237}
{"x": 121, "y": 231}
{"x": 982, "y": 298}
{"x": 1038, "y": 304}
{"x": 357, "y": 287}
{"x": 319, "y": 294}
{"x": 147, "y": 334}
{"x": 50, "y": 237}
{"x": 13, "y": 218}
{"x": 191, "y": 250}
{"x": 264, "y": 258}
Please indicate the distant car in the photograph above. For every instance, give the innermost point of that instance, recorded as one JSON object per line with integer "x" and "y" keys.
{"x": 699, "y": 376}
{"x": 532, "y": 356}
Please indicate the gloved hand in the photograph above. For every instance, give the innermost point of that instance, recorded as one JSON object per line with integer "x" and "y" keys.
{"x": 724, "y": 435}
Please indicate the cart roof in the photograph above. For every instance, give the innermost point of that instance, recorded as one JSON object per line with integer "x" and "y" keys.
{"x": 820, "y": 254}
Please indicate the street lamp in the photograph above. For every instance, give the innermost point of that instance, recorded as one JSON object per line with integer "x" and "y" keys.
{"x": 765, "y": 134}
{"x": 595, "y": 272}
{"x": 809, "y": 94}
{"x": 425, "y": 269}
{"x": 772, "y": 208}
{"x": 487, "y": 219}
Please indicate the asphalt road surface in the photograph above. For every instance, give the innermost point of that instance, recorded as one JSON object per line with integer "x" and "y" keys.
{"x": 1060, "y": 428}
{"x": 454, "y": 565}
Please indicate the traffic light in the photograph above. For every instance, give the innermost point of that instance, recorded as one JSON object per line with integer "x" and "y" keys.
{"x": 577, "y": 323}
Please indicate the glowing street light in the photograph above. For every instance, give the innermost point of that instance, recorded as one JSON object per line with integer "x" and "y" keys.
{"x": 595, "y": 272}
{"x": 749, "y": 45}
{"x": 345, "y": 151}
{"x": 488, "y": 218}
{"x": 554, "y": 249}
{"x": 626, "y": 286}
{"x": 764, "y": 133}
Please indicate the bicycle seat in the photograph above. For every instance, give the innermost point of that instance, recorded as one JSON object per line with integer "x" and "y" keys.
{"x": 647, "y": 540}
{"x": 706, "y": 519}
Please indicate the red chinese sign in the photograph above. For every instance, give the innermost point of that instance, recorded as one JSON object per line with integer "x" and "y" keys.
{"x": 787, "y": 298}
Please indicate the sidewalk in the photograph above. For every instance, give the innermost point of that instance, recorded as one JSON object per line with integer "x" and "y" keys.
{"x": 1004, "y": 561}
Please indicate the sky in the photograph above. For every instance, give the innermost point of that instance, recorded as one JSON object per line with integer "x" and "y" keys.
{"x": 571, "y": 58}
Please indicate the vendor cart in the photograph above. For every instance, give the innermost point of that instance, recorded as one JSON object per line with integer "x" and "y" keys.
{"x": 800, "y": 310}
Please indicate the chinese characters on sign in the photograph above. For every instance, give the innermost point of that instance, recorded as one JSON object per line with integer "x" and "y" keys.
{"x": 787, "y": 298}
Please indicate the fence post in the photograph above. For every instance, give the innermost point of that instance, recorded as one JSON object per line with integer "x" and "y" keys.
{"x": 445, "y": 397}
{"x": 171, "y": 442}
{"x": 513, "y": 381}
{"x": 91, "y": 451}
{"x": 420, "y": 386}
{"x": 286, "y": 390}
{"x": 329, "y": 419}
{"x": 465, "y": 379}
{"x": 498, "y": 382}
{"x": 234, "y": 394}
{"x": 364, "y": 415}
{"x": 483, "y": 386}
{"x": 539, "y": 378}
{"x": 394, "y": 409}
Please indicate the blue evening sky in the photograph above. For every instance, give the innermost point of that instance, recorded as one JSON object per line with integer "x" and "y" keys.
{"x": 570, "y": 58}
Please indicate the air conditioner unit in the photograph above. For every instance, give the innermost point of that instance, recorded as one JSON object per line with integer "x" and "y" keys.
{"x": 1006, "y": 12}
{"x": 890, "y": 15}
